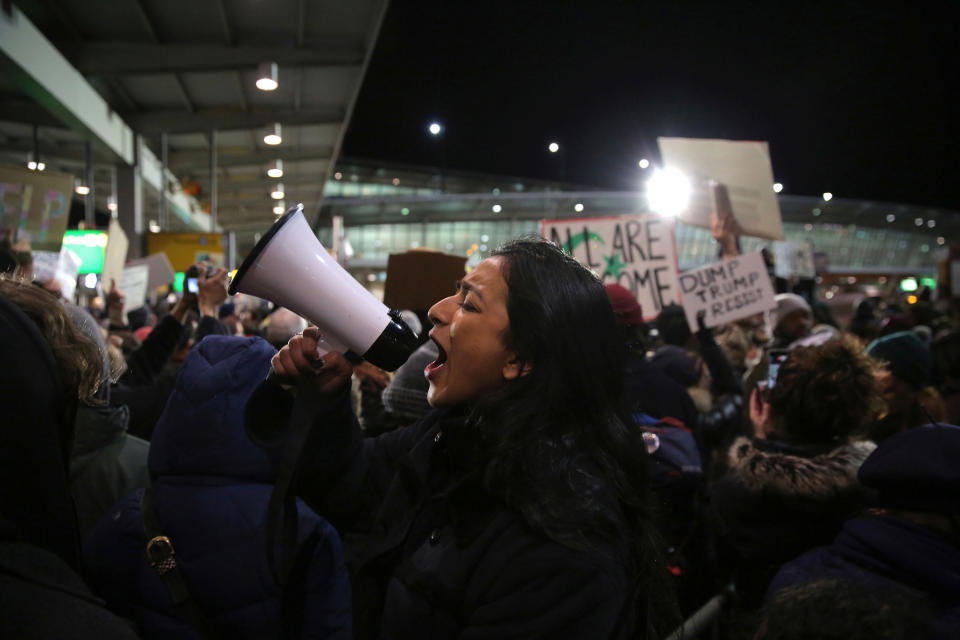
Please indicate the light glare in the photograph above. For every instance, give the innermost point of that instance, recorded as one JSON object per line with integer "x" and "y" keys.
{"x": 827, "y": 196}
{"x": 644, "y": 163}
{"x": 668, "y": 192}
{"x": 777, "y": 187}
{"x": 435, "y": 128}
{"x": 578, "y": 207}
{"x": 553, "y": 147}
{"x": 497, "y": 208}
{"x": 90, "y": 280}
{"x": 82, "y": 189}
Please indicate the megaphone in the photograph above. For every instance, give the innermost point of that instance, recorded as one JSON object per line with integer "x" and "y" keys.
{"x": 290, "y": 267}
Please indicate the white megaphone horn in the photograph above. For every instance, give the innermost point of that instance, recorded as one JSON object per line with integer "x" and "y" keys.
{"x": 290, "y": 267}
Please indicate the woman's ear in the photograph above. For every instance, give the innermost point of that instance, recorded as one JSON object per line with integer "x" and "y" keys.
{"x": 516, "y": 368}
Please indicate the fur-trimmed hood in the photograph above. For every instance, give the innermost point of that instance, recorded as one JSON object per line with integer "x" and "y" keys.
{"x": 818, "y": 477}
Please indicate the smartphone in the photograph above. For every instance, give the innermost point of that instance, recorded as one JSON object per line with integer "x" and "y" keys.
{"x": 192, "y": 285}
{"x": 775, "y": 359}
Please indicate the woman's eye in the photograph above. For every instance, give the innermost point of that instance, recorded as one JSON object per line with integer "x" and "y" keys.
{"x": 466, "y": 306}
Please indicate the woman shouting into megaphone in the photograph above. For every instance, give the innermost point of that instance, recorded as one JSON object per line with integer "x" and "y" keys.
{"x": 519, "y": 506}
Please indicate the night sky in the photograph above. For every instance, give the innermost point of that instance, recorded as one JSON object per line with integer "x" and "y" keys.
{"x": 853, "y": 99}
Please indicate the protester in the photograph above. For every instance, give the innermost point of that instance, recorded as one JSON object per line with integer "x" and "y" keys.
{"x": 912, "y": 546}
{"x": 946, "y": 354}
{"x": 106, "y": 462}
{"x": 519, "y": 508}
{"x": 792, "y": 486}
{"x": 791, "y": 320}
{"x": 211, "y": 489}
{"x": 48, "y": 368}
{"x": 283, "y": 324}
{"x": 833, "y": 609}
{"x": 151, "y": 369}
{"x": 906, "y": 375}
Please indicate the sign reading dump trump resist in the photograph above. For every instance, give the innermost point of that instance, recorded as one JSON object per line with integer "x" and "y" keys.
{"x": 637, "y": 252}
{"x": 727, "y": 290}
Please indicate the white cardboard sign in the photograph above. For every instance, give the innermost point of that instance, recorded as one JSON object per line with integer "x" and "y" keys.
{"x": 727, "y": 290}
{"x": 115, "y": 255}
{"x": 636, "y": 251}
{"x": 742, "y": 166}
{"x": 793, "y": 258}
{"x": 133, "y": 283}
{"x": 64, "y": 265}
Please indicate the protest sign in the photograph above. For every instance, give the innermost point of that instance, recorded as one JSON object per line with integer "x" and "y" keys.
{"x": 62, "y": 266}
{"x": 35, "y": 205}
{"x": 416, "y": 279}
{"x": 742, "y": 166}
{"x": 727, "y": 290}
{"x": 133, "y": 283}
{"x": 636, "y": 251}
{"x": 45, "y": 265}
{"x": 793, "y": 258}
{"x": 161, "y": 272}
{"x": 115, "y": 254}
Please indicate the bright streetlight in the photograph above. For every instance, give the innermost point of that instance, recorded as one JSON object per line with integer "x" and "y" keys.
{"x": 668, "y": 192}
{"x": 435, "y": 128}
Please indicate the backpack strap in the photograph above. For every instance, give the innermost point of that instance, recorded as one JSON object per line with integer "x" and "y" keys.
{"x": 162, "y": 558}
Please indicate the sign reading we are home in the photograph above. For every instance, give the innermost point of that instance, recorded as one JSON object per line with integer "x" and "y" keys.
{"x": 727, "y": 290}
{"x": 636, "y": 251}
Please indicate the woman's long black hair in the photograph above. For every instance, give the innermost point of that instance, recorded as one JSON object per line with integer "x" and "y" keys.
{"x": 558, "y": 451}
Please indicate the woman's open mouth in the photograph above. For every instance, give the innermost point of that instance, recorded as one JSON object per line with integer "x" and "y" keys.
{"x": 430, "y": 370}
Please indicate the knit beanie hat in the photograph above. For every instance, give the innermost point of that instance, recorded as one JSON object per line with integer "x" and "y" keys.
{"x": 905, "y": 356}
{"x": 625, "y": 305}
{"x": 916, "y": 470}
{"x": 787, "y": 303}
{"x": 675, "y": 363}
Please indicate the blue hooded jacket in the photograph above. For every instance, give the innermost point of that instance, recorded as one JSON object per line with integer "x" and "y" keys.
{"x": 211, "y": 489}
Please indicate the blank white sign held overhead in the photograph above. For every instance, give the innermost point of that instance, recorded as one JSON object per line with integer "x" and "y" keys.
{"x": 742, "y": 166}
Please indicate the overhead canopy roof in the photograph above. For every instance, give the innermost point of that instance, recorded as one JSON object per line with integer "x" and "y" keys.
{"x": 187, "y": 68}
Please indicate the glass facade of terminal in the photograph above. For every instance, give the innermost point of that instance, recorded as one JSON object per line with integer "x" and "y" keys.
{"x": 378, "y": 222}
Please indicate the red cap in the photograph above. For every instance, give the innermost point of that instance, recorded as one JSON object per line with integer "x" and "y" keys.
{"x": 625, "y": 305}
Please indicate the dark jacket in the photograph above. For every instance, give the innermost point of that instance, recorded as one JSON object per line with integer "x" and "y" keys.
{"x": 40, "y": 594}
{"x": 106, "y": 464}
{"x": 211, "y": 489}
{"x": 885, "y": 554}
{"x": 432, "y": 554}
{"x": 776, "y": 501}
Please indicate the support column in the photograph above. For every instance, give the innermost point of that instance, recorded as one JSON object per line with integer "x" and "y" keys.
{"x": 89, "y": 200}
{"x": 213, "y": 181}
{"x": 129, "y": 193}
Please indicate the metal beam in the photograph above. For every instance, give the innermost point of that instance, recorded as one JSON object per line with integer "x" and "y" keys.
{"x": 177, "y": 121}
{"x": 198, "y": 161}
{"x": 260, "y": 182}
{"x": 41, "y": 71}
{"x": 120, "y": 58}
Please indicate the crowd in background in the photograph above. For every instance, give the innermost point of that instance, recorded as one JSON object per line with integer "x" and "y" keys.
{"x": 821, "y": 501}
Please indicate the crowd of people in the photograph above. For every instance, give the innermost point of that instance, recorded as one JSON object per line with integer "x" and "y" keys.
{"x": 546, "y": 464}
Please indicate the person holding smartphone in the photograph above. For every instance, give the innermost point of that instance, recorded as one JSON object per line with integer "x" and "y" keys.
{"x": 791, "y": 486}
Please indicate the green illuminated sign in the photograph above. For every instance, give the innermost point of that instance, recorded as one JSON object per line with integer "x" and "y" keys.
{"x": 178, "y": 281}
{"x": 90, "y": 246}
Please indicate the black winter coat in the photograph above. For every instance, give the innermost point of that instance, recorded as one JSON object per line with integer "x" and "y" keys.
{"x": 777, "y": 501}
{"x": 431, "y": 553}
